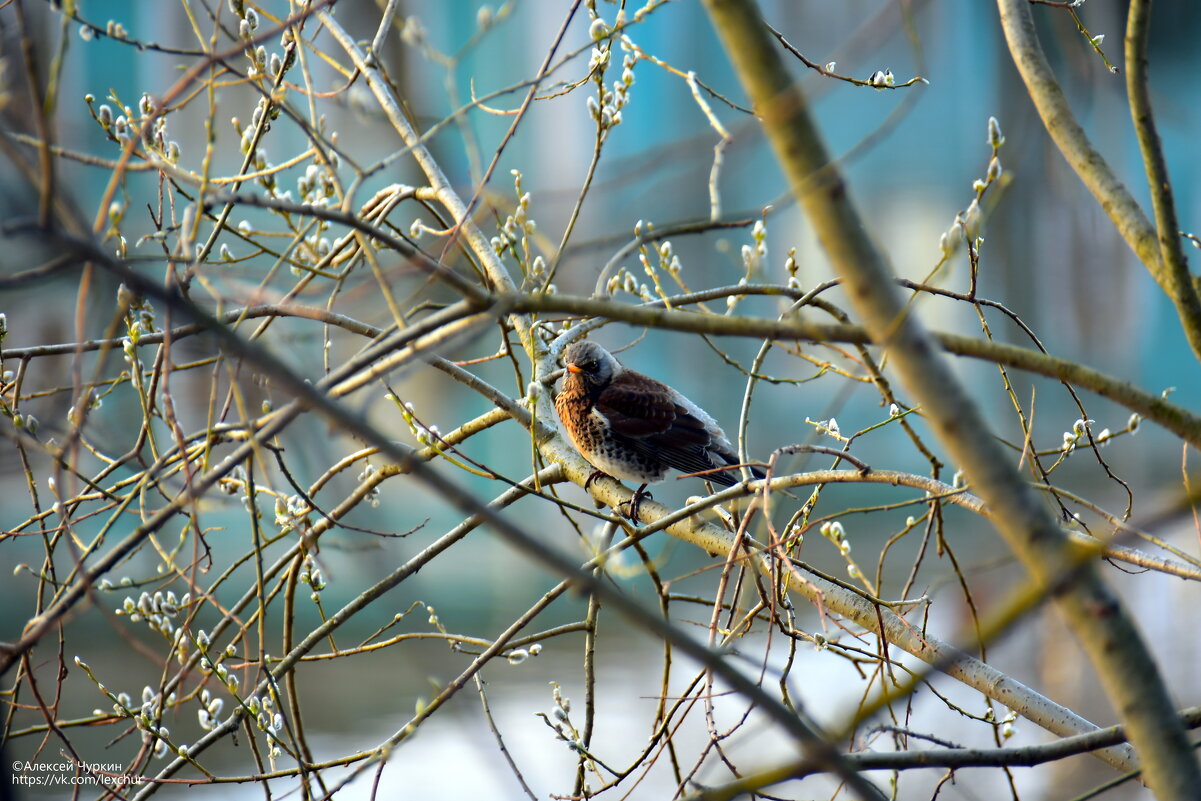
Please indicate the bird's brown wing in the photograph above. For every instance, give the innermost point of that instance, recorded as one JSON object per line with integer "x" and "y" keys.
{"x": 649, "y": 409}
{"x": 646, "y": 416}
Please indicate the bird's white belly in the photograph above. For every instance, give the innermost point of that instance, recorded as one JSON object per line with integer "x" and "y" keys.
{"x": 621, "y": 462}
{"x": 625, "y": 469}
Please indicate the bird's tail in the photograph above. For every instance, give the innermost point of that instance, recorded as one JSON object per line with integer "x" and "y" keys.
{"x": 730, "y": 476}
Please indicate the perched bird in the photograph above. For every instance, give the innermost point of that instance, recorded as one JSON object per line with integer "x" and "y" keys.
{"x": 632, "y": 427}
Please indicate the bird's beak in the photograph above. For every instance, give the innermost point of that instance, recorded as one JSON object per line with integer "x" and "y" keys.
{"x": 572, "y": 368}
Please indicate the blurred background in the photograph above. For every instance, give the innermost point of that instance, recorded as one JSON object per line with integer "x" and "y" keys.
{"x": 910, "y": 156}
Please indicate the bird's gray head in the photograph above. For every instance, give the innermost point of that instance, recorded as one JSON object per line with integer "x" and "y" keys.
{"x": 592, "y": 363}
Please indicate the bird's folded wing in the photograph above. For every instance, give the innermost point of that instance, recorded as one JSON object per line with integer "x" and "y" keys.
{"x": 652, "y": 423}
{"x": 639, "y": 411}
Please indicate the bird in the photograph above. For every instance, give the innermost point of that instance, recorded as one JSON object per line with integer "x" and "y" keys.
{"x": 632, "y": 427}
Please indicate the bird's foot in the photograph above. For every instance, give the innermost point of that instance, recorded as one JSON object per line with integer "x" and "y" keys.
{"x": 636, "y": 503}
{"x": 594, "y": 476}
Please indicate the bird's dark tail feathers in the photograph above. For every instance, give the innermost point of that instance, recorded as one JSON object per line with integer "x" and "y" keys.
{"x": 730, "y": 477}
